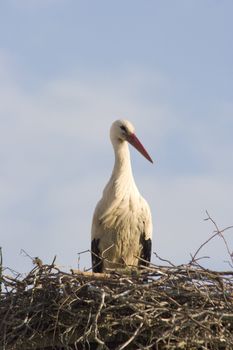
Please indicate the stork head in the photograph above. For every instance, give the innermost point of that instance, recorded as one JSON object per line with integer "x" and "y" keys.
{"x": 123, "y": 130}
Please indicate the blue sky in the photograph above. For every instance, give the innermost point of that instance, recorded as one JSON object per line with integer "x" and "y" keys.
{"x": 67, "y": 70}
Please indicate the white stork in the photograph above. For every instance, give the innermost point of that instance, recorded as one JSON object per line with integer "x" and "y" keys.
{"x": 122, "y": 224}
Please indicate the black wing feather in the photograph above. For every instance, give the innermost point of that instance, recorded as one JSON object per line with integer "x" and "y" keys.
{"x": 97, "y": 262}
{"x": 146, "y": 250}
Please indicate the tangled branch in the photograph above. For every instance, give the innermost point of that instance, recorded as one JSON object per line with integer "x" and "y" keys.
{"x": 160, "y": 307}
{"x": 186, "y": 307}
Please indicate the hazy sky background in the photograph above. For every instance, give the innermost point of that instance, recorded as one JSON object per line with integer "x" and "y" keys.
{"x": 68, "y": 69}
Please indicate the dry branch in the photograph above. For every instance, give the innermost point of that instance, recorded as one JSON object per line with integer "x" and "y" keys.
{"x": 161, "y": 307}
{"x": 184, "y": 307}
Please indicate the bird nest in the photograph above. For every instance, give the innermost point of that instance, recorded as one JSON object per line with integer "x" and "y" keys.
{"x": 162, "y": 307}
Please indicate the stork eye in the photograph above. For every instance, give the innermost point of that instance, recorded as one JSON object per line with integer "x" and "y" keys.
{"x": 123, "y": 128}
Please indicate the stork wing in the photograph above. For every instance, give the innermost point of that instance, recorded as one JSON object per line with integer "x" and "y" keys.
{"x": 146, "y": 235}
{"x": 145, "y": 251}
{"x": 97, "y": 262}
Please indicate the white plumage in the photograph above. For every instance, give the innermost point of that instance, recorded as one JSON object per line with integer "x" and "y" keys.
{"x": 122, "y": 224}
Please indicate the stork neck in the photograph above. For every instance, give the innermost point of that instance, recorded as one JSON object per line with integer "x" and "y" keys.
{"x": 122, "y": 160}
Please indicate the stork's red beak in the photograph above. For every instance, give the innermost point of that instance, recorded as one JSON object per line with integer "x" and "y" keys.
{"x": 134, "y": 141}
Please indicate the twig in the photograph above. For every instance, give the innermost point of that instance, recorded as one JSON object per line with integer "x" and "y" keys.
{"x": 164, "y": 260}
{"x": 131, "y": 338}
{"x": 218, "y": 232}
{"x": 99, "y": 341}
{"x": 22, "y": 251}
